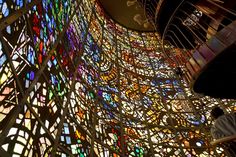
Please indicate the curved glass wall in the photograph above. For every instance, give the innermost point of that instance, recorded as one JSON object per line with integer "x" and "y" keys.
{"x": 74, "y": 83}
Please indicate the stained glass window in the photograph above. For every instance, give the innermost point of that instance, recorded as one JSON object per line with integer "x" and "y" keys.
{"x": 75, "y": 83}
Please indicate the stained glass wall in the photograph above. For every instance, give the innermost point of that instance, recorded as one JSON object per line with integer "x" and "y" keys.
{"x": 74, "y": 83}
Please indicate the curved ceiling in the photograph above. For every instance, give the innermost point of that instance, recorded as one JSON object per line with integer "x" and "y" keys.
{"x": 127, "y": 13}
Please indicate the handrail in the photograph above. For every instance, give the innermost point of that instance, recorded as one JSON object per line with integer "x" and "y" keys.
{"x": 223, "y": 140}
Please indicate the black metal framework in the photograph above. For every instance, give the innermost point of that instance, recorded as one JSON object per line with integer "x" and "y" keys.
{"x": 74, "y": 83}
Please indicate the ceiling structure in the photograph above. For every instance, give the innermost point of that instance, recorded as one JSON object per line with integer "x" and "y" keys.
{"x": 127, "y": 13}
{"x": 76, "y": 83}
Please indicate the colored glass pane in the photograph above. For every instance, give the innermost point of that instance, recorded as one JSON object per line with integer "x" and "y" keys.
{"x": 75, "y": 83}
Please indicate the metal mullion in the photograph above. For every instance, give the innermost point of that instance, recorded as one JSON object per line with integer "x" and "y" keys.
{"x": 53, "y": 91}
{"x": 60, "y": 65}
{"x": 32, "y": 38}
{"x": 72, "y": 88}
{"x": 188, "y": 99}
{"x": 4, "y": 153}
{"x": 27, "y": 92}
{"x": 75, "y": 121}
{"x": 151, "y": 126}
{"x": 74, "y": 66}
{"x": 59, "y": 100}
{"x": 39, "y": 120}
{"x": 82, "y": 42}
{"x": 168, "y": 112}
{"x": 56, "y": 29}
{"x": 120, "y": 107}
{"x": 120, "y": 60}
{"x": 43, "y": 74}
{"x": 98, "y": 141}
{"x": 89, "y": 87}
{"x": 185, "y": 147}
{"x": 76, "y": 93}
{"x": 98, "y": 85}
{"x": 25, "y": 3}
{"x": 66, "y": 151}
{"x": 142, "y": 97}
{"x": 178, "y": 79}
{"x": 57, "y": 22}
{"x": 94, "y": 117}
{"x": 18, "y": 107}
{"x": 138, "y": 87}
{"x": 17, "y": 14}
{"x": 7, "y": 52}
{"x": 63, "y": 117}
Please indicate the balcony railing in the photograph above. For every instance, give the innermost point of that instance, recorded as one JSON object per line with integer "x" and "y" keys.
{"x": 203, "y": 36}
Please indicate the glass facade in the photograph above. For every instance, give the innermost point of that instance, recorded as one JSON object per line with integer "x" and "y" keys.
{"x": 74, "y": 83}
